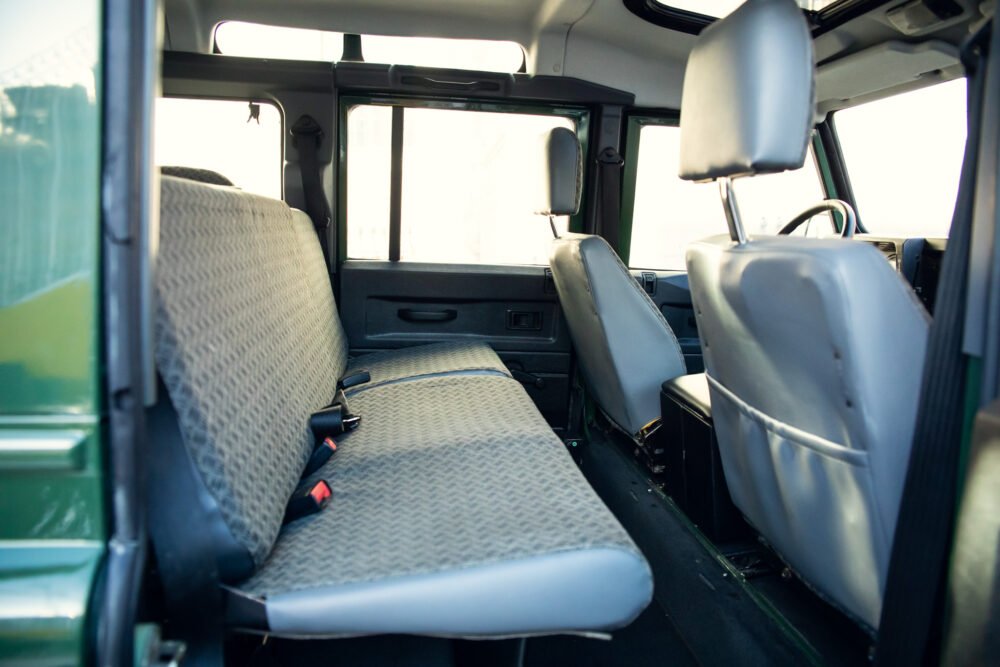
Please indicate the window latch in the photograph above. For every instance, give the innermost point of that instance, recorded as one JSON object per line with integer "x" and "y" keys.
{"x": 647, "y": 280}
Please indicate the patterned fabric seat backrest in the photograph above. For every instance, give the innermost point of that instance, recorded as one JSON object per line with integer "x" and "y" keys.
{"x": 248, "y": 345}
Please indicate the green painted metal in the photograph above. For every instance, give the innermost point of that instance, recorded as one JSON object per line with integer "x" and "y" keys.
{"x": 44, "y": 595}
{"x": 826, "y": 177}
{"x": 41, "y": 449}
{"x": 52, "y": 511}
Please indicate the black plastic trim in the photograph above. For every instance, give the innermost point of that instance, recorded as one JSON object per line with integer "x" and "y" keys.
{"x": 359, "y": 77}
{"x": 668, "y": 17}
{"x": 693, "y": 23}
{"x": 425, "y": 82}
{"x": 840, "y": 13}
{"x": 396, "y": 184}
{"x": 245, "y": 612}
{"x": 254, "y": 74}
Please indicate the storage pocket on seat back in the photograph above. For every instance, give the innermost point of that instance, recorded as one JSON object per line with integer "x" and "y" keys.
{"x": 812, "y": 498}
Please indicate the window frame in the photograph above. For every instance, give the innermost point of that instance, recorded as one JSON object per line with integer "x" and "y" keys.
{"x": 350, "y": 41}
{"x": 671, "y": 118}
{"x": 580, "y": 115}
{"x": 252, "y": 100}
{"x": 820, "y": 22}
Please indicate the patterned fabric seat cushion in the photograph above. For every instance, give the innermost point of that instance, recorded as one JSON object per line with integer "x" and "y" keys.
{"x": 243, "y": 346}
{"x": 423, "y": 361}
{"x": 452, "y": 486}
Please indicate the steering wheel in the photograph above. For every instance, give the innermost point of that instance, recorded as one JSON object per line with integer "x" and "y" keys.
{"x": 845, "y": 210}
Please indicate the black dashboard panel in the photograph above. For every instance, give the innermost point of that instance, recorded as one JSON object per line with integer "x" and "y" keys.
{"x": 917, "y": 259}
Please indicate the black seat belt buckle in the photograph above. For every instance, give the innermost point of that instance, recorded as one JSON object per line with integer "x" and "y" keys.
{"x": 353, "y": 380}
{"x": 320, "y": 456}
{"x": 332, "y": 421}
{"x": 307, "y": 501}
{"x": 349, "y": 420}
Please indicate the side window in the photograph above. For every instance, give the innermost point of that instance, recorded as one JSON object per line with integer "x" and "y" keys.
{"x": 220, "y": 135}
{"x": 904, "y": 158}
{"x": 466, "y": 195}
{"x": 669, "y": 214}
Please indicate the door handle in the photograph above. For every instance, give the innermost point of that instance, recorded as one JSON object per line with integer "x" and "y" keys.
{"x": 529, "y": 379}
{"x": 413, "y": 315}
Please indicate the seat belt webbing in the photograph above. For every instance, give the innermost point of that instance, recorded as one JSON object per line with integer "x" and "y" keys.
{"x": 610, "y": 163}
{"x": 910, "y": 625}
{"x": 307, "y": 137}
{"x": 183, "y": 541}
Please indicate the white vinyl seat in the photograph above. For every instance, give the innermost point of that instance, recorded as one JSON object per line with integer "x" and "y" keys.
{"x": 626, "y": 348}
{"x": 813, "y": 349}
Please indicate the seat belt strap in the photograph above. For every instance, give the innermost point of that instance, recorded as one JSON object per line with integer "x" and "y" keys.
{"x": 610, "y": 164}
{"x": 307, "y": 137}
{"x": 183, "y": 540}
{"x": 910, "y": 625}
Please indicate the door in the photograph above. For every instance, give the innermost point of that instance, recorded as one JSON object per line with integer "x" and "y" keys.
{"x": 52, "y": 504}
{"x": 439, "y": 240}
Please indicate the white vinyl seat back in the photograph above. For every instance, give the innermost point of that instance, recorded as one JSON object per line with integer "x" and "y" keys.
{"x": 813, "y": 349}
{"x": 814, "y": 352}
{"x": 625, "y": 347}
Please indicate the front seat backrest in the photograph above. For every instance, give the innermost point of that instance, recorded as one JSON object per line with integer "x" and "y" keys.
{"x": 625, "y": 347}
{"x": 814, "y": 349}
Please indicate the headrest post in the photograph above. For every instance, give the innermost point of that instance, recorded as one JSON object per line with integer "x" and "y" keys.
{"x": 736, "y": 231}
{"x": 552, "y": 224}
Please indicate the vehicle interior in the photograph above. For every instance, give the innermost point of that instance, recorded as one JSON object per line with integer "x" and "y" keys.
{"x": 574, "y": 332}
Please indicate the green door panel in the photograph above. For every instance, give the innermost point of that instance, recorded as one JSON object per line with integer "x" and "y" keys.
{"x": 52, "y": 503}
{"x": 44, "y": 592}
{"x": 50, "y": 479}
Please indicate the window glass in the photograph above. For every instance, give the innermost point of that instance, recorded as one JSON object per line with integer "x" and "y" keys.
{"x": 904, "y": 158}
{"x": 669, "y": 214}
{"x": 466, "y": 195}
{"x": 253, "y": 40}
{"x": 236, "y": 38}
{"x": 219, "y": 135}
{"x": 369, "y": 168}
{"x": 720, "y": 8}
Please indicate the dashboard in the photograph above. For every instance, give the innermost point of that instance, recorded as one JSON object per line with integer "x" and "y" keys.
{"x": 918, "y": 260}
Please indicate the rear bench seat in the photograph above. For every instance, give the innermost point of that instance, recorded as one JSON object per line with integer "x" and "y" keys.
{"x": 456, "y": 510}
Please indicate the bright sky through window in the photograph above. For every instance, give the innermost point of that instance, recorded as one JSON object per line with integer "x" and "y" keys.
{"x": 720, "y": 8}
{"x": 236, "y": 38}
{"x": 904, "y": 156}
{"x": 220, "y": 136}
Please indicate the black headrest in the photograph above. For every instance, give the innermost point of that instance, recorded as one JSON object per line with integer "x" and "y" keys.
{"x": 195, "y": 174}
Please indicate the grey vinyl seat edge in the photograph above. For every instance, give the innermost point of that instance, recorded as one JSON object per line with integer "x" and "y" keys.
{"x": 444, "y": 533}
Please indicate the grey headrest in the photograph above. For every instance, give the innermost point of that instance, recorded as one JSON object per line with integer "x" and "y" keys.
{"x": 562, "y": 174}
{"x": 748, "y": 100}
{"x": 196, "y": 174}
